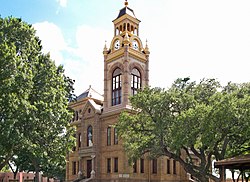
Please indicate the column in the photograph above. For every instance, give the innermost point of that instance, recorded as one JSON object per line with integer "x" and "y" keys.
{"x": 80, "y": 175}
{"x": 93, "y": 163}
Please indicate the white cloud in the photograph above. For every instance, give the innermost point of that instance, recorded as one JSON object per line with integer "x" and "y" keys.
{"x": 196, "y": 38}
{"x": 90, "y": 44}
{"x": 186, "y": 38}
{"x": 84, "y": 61}
{"x": 52, "y": 40}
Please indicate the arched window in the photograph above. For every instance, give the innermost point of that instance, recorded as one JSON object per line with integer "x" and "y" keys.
{"x": 74, "y": 147}
{"x": 135, "y": 31}
{"x": 117, "y": 31}
{"x": 132, "y": 29}
{"x": 79, "y": 140}
{"x": 128, "y": 27}
{"x": 120, "y": 28}
{"x": 135, "y": 81}
{"x": 116, "y": 87}
{"x": 89, "y": 136}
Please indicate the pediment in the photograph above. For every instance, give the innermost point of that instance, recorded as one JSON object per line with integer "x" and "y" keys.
{"x": 91, "y": 108}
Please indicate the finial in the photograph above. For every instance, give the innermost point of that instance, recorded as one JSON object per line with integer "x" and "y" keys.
{"x": 146, "y": 49}
{"x": 105, "y": 46}
{"x": 105, "y": 49}
{"x": 126, "y": 3}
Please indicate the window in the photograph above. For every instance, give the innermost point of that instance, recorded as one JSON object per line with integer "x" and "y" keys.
{"x": 136, "y": 31}
{"x": 154, "y": 166}
{"x": 120, "y": 29}
{"x": 116, "y": 87}
{"x": 115, "y": 165}
{"x": 79, "y": 140}
{"x": 124, "y": 26}
{"x": 168, "y": 166}
{"x": 135, "y": 166}
{"x": 132, "y": 29}
{"x": 128, "y": 27}
{"x": 74, "y": 148}
{"x": 108, "y": 165}
{"x": 108, "y": 136}
{"x": 174, "y": 166}
{"x": 117, "y": 31}
{"x": 115, "y": 136}
{"x": 74, "y": 168}
{"x": 78, "y": 165}
{"x": 142, "y": 165}
{"x": 135, "y": 81}
{"x": 76, "y": 116}
{"x": 89, "y": 136}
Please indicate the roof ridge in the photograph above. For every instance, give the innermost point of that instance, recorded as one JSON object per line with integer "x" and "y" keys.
{"x": 90, "y": 93}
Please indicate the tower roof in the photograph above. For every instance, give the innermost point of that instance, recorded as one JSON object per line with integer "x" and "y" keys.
{"x": 126, "y": 10}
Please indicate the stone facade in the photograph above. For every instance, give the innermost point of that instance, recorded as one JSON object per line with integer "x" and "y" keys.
{"x": 99, "y": 154}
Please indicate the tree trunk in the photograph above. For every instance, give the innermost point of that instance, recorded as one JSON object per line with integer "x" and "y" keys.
{"x": 37, "y": 179}
{"x": 15, "y": 173}
{"x": 37, "y": 170}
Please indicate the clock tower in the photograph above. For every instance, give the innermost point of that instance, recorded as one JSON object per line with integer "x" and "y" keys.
{"x": 125, "y": 62}
{"x": 99, "y": 154}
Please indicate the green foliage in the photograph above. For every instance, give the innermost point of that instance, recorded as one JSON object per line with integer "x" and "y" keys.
{"x": 189, "y": 120}
{"x": 34, "y": 96}
{"x": 5, "y": 169}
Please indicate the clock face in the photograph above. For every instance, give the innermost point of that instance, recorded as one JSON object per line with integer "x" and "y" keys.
{"x": 117, "y": 44}
{"x": 135, "y": 45}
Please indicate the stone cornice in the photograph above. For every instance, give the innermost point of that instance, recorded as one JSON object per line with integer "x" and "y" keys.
{"x": 124, "y": 17}
{"x": 114, "y": 55}
{"x": 120, "y": 53}
{"x": 137, "y": 54}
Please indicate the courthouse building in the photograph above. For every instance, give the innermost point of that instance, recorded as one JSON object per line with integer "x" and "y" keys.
{"x": 99, "y": 155}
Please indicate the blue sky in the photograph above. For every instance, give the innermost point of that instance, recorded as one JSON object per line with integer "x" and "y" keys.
{"x": 196, "y": 38}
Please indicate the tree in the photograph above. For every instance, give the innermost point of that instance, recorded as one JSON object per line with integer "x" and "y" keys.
{"x": 189, "y": 120}
{"x": 34, "y": 96}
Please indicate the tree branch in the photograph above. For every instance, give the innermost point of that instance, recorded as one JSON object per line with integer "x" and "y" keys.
{"x": 195, "y": 151}
{"x": 224, "y": 147}
{"x": 188, "y": 154}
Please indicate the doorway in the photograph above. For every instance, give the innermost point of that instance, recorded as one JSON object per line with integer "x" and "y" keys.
{"x": 89, "y": 168}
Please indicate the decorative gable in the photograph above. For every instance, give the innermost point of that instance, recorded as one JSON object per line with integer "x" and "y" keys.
{"x": 91, "y": 108}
